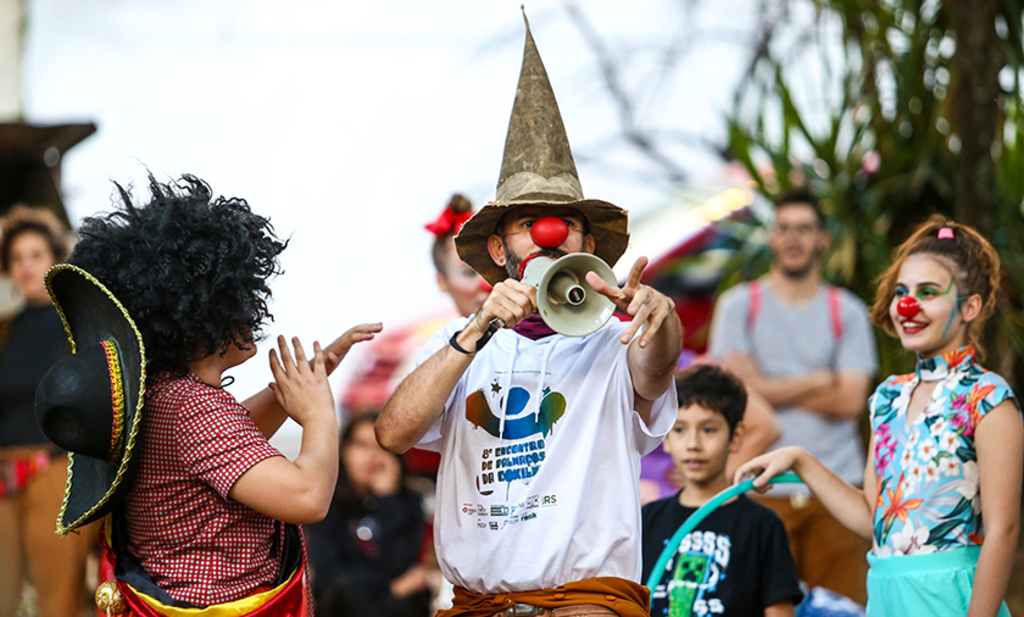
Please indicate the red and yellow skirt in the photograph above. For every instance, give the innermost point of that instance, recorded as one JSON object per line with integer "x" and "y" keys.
{"x": 291, "y": 598}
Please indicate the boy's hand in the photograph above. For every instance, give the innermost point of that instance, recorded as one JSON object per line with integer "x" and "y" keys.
{"x": 300, "y": 386}
{"x": 336, "y": 351}
{"x": 414, "y": 580}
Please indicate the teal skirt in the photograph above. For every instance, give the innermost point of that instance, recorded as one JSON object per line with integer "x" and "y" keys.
{"x": 937, "y": 584}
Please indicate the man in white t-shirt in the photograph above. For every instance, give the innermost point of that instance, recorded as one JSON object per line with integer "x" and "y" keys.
{"x": 541, "y": 434}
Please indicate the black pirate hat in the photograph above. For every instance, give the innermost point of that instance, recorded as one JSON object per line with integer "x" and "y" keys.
{"x": 90, "y": 403}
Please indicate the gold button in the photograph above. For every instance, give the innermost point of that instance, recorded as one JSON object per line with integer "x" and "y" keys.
{"x": 610, "y": 598}
{"x": 559, "y": 596}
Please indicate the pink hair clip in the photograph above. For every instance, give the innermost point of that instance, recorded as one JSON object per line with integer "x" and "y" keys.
{"x": 945, "y": 233}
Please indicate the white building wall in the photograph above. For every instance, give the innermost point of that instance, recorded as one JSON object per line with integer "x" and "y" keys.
{"x": 12, "y": 13}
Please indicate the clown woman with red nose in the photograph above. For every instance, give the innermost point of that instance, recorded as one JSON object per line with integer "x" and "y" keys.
{"x": 941, "y": 498}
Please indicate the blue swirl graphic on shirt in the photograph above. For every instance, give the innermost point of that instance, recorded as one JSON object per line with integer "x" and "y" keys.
{"x": 518, "y": 423}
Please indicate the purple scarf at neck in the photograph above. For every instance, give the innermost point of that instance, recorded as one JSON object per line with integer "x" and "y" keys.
{"x": 533, "y": 328}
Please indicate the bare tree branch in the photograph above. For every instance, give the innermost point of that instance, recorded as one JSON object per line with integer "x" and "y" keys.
{"x": 644, "y": 141}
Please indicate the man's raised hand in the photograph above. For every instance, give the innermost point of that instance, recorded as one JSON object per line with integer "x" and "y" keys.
{"x": 511, "y": 301}
{"x": 645, "y": 304}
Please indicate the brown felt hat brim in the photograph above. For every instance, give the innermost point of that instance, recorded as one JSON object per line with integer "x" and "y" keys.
{"x": 608, "y": 224}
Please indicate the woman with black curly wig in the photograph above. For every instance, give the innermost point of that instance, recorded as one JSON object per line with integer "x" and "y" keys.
{"x": 203, "y": 515}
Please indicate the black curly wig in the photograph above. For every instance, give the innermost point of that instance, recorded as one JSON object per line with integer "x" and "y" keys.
{"x": 190, "y": 268}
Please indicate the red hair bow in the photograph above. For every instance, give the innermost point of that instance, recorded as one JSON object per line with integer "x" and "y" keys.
{"x": 448, "y": 223}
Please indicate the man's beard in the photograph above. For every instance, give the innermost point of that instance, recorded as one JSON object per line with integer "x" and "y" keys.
{"x": 512, "y": 261}
{"x": 803, "y": 271}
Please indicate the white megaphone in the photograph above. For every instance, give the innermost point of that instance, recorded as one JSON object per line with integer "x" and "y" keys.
{"x": 565, "y": 301}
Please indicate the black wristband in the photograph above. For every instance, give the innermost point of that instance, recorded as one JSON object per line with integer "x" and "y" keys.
{"x": 456, "y": 345}
{"x": 491, "y": 329}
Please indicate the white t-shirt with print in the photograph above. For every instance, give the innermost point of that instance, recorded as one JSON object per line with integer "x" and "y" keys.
{"x": 540, "y": 461}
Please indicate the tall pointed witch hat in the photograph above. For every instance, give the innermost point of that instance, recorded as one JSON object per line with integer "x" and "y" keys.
{"x": 538, "y": 170}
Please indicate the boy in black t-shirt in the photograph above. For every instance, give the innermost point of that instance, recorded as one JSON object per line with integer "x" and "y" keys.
{"x": 737, "y": 561}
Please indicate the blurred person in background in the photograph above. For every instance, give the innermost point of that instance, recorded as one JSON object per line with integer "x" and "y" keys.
{"x": 808, "y": 348}
{"x": 455, "y": 277}
{"x": 32, "y": 470}
{"x": 467, "y": 289}
{"x": 366, "y": 552}
{"x": 392, "y": 356}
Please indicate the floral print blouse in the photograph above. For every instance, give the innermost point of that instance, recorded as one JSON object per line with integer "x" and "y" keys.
{"x": 927, "y": 471}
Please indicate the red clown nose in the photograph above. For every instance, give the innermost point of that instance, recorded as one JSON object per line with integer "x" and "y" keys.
{"x": 907, "y": 307}
{"x": 549, "y": 232}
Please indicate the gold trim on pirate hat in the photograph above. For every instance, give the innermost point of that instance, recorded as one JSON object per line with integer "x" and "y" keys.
{"x": 538, "y": 170}
{"x": 90, "y": 403}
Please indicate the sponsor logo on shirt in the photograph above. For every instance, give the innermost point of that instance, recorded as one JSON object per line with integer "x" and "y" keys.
{"x": 516, "y": 420}
{"x": 521, "y": 430}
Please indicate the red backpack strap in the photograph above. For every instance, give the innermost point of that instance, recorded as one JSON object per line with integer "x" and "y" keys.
{"x": 755, "y": 304}
{"x": 835, "y": 310}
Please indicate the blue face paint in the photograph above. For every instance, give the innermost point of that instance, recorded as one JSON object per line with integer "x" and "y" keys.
{"x": 954, "y": 312}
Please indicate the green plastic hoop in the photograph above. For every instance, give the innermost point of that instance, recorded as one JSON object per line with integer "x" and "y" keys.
{"x": 697, "y": 517}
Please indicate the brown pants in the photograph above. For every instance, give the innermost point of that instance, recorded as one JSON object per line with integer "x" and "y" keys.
{"x": 30, "y": 546}
{"x": 826, "y": 553}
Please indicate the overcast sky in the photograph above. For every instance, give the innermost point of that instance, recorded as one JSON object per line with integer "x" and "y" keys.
{"x": 350, "y": 124}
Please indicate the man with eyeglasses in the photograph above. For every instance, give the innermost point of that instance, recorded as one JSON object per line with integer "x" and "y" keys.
{"x": 808, "y": 348}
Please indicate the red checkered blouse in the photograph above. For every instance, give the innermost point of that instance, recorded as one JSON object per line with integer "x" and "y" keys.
{"x": 198, "y": 545}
